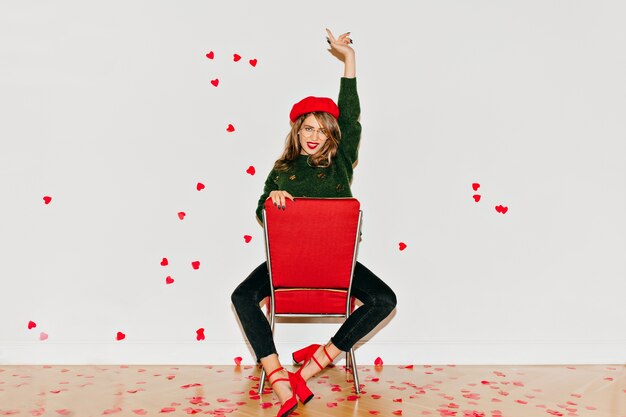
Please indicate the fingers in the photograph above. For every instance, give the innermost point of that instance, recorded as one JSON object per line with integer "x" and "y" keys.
{"x": 279, "y": 199}
{"x": 330, "y": 35}
{"x": 343, "y": 39}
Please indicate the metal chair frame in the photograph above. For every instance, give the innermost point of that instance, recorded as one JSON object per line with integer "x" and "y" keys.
{"x": 350, "y": 357}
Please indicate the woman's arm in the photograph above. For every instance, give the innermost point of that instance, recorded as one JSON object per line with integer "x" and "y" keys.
{"x": 348, "y": 102}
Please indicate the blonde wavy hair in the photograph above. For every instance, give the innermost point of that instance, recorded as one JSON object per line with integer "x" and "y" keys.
{"x": 293, "y": 149}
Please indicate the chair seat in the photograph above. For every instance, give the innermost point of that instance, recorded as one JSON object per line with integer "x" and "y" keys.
{"x": 314, "y": 301}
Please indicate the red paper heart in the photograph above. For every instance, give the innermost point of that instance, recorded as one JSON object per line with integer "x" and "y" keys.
{"x": 236, "y": 57}
{"x": 112, "y": 410}
{"x": 64, "y": 412}
{"x": 47, "y": 199}
{"x": 43, "y": 336}
{"x": 238, "y": 360}
{"x": 230, "y": 128}
{"x": 169, "y": 280}
{"x": 476, "y": 197}
{"x": 31, "y": 324}
{"x": 504, "y": 209}
{"x": 331, "y": 405}
{"x": 215, "y": 82}
{"x": 266, "y": 405}
{"x": 378, "y": 362}
{"x": 397, "y": 412}
{"x": 210, "y": 55}
{"x": 199, "y": 186}
{"x": 140, "y": 412}
{"x": 195, "y": 264}
{"x": 247, "y": 238}
{"x": 251, "y": 170}
{"x": 167, "y": 410}
{"x": 475, "y": 186}
{"x": 200, "y": 333}
{"x": 402, "y": 245}
{"x": 164, "y": 262}
{"x": 120, "y": 336}
{"x": 181, "y": 215}
{"x": 253, "y": 62}
{"x": 501, "y": 209}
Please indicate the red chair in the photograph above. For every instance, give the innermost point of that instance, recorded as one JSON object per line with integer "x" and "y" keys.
{"x": 311, "y": 252}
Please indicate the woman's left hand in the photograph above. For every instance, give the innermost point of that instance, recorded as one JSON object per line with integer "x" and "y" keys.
{"x": 341, "y": 44}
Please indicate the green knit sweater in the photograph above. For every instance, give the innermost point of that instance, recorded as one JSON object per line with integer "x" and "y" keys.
{"x": 302, "y": 180}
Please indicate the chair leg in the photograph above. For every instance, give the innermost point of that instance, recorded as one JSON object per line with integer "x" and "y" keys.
{"x": 355, "y": 373}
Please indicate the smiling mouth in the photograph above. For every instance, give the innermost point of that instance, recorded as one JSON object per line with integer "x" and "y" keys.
{"x": 312, "y": 145}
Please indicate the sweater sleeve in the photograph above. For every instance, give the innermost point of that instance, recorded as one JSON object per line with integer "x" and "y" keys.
{"x": 349, "y": 112}
{"x": 270, "y": 185}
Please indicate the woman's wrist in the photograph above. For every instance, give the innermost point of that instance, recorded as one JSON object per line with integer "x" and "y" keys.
{"x": 349, "y": 70}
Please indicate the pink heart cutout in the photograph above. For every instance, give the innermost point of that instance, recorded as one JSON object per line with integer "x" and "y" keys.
{"x": 215, "y": 82}
{"x": 169, "y": 280}
{"x": 210, "y": 55}
{"x": 253, "y": 62}
{"x": 43, "y": 336}
{"x": 251, "y": 170}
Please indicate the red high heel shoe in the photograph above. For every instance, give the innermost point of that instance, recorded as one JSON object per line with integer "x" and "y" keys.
{"x": 292, "y": 403}
{"x": 305, "y": 355}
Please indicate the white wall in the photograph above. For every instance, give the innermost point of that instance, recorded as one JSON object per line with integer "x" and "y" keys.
{"x": 108, "y": 108}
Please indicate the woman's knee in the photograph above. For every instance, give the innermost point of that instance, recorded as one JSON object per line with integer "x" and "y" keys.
{"x": 241, "y": 297}
{"x": 387, "y": 300}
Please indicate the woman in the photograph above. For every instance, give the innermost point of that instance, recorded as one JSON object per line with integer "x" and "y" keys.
{"x": 318, "y": 160}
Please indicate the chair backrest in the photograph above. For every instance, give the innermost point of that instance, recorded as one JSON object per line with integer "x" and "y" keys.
{"x": 312, "y": 243}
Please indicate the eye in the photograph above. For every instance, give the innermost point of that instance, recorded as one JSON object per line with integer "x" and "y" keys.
{"x": 308, "y": 128}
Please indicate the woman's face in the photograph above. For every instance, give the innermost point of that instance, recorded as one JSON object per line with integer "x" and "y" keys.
{"x": 312, "y": 136}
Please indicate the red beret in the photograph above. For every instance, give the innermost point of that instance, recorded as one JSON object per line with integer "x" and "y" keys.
{"x": 311, "y": 104}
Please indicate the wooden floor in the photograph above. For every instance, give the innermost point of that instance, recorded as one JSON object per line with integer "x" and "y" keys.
{"x": 420, "y": 390}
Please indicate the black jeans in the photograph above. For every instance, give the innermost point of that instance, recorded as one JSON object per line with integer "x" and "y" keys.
{"x": 377, "y": 298}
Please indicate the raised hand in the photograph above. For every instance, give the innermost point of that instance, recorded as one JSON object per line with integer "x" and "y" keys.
{"x": 341, "y": 45}
{"x": 342, "y": 50}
